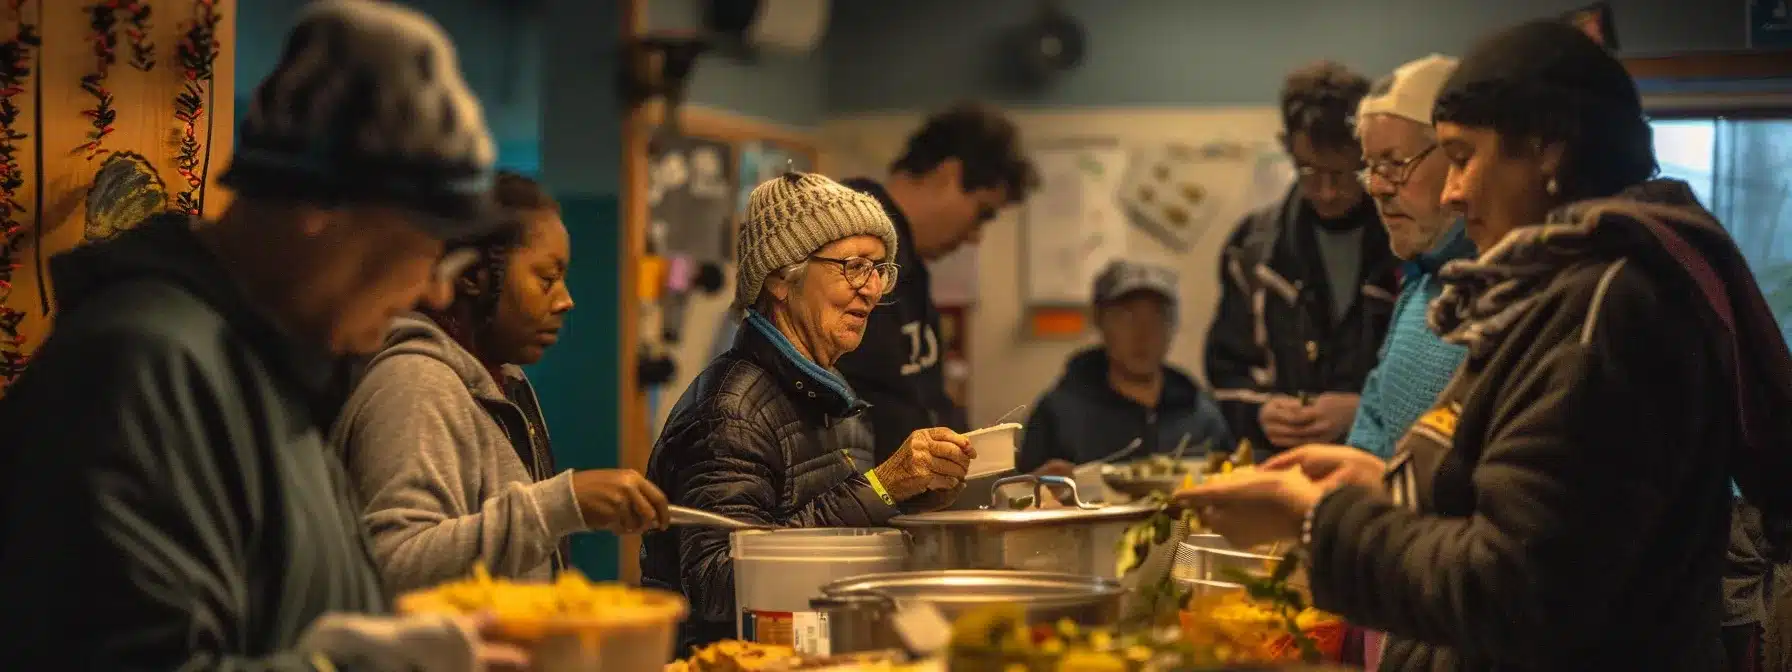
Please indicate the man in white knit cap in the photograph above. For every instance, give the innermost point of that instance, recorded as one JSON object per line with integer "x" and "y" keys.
{"x": 1404, "y": 174}
{"x": 170, "y": 501}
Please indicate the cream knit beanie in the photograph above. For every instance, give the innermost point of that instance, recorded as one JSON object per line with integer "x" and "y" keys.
{"x": 791, "y": 216}
{"x": 1411, "y": 91}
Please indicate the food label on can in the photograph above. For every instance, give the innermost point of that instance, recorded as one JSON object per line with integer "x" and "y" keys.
{"x": 768, "y": 627}
{"x": 809, "y": 631}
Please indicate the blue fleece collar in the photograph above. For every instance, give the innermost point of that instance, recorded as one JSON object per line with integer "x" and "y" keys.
{"x": 822, "y": 376}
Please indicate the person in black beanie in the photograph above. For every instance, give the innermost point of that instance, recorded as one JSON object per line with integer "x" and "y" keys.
{"x": 170, "y": 502}
{"x": 1566, "y": 503}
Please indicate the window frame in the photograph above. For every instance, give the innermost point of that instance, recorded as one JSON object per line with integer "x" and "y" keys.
{"x": 1722, "y": 84}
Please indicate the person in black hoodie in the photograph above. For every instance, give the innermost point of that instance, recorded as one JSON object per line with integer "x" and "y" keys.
{"x": 1123, "y": 393}
{"x": 170, "y": 502}
{"x": 1307, "y": 284}
{"x": 961, "y": 169}
{"x": 1566, "y": 504}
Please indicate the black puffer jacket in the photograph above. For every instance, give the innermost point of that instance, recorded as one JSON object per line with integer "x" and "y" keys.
{"x": 762, "y": 435}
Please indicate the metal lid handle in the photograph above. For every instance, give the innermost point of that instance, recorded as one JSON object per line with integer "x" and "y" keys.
{"x": 1040, "y": 483}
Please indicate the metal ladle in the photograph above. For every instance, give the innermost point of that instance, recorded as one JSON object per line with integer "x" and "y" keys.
{"x": 689, "y": 517}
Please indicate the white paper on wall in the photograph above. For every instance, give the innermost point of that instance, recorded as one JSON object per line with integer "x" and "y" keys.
{"x": 1072, "y": 226}
{"x": 954, "y": 277}
{"x": 1175, "y": 190}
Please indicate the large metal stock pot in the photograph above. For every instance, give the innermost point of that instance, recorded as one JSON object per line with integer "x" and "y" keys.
{"x": 1077, "y": 538}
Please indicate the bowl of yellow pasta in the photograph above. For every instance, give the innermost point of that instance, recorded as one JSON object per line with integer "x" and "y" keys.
{"x": 571, "y": 623}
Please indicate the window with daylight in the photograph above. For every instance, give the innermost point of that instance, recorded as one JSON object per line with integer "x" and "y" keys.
{"x": 1741, "y": 169}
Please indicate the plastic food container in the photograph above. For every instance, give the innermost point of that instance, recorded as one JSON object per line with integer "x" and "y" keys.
{"x": 995, "y": 446}
{"x": 777, "y": 572}
{"x": 638, "y": 638}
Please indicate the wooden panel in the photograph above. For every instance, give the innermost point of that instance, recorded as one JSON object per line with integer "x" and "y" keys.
{"x": 711, "y": 123}
{"x": 635, "y": 447}
{"x": 1713, "y": 65}
{"x": 145, "y": 125}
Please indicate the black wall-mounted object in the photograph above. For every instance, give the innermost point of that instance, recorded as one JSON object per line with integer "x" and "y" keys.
{"x": 710, "y": 278}
{"x": 1050, "y": 44}
{"x": 653, "y": 370}
{"x": 660, "y": 66}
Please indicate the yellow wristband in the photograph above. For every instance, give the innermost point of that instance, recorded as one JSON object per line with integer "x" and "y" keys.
{"x": 878, "y": 486}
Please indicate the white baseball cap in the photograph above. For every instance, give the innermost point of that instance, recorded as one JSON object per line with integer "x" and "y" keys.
{"x": 1411, "y": 91}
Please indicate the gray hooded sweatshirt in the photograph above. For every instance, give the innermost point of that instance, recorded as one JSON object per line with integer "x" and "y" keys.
{"x": 449, "y": 467}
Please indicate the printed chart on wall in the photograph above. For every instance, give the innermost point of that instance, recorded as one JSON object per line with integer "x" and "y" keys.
{"x": 1073, "y": 224}
{"x": 1177, "y": 192}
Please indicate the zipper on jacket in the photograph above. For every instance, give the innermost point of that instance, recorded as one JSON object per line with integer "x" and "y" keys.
{"x": 1149, "y": 437}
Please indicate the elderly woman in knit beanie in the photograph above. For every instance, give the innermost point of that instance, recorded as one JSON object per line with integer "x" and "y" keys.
{"x": 769, "y": 432}
{"x": 1566, "y": 503}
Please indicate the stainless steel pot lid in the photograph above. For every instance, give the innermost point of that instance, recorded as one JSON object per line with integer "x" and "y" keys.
{"x": 978, "y": 586}
{"x": 1026, "y": 517}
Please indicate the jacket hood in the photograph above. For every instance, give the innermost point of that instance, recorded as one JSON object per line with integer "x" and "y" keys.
{"x": 416, "y": 334}
{"x": 1086, "y": 374}
{"x": 164, "y": 248}
{"x": 1662, "y": 224}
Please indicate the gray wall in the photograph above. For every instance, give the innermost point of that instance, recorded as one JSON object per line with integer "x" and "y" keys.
{"x": 779, "y": 87}
{"x": 914, "y": 54}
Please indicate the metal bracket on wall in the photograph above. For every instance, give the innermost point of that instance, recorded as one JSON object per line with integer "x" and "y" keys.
{"x": 659, "y": 66}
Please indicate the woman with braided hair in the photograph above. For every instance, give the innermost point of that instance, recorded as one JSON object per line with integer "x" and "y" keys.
{"x": 443, "y": 435}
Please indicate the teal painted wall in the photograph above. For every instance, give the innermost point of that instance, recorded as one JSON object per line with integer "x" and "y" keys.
{"x": 578, "y": 379}
{"x": 580, "y": 150}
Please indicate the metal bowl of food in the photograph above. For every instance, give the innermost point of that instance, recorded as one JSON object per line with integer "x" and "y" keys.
{"x": 1156, "y": 474}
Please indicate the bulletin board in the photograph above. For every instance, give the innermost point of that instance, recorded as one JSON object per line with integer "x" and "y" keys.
{"x": 689, "y": 227}
{"x": 690, "y": 200}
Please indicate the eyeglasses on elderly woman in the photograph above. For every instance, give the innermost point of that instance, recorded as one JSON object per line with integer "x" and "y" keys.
{"x": 858, "y": 271}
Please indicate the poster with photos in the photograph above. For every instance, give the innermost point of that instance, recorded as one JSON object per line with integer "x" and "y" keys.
{"x": 691, "y": 187}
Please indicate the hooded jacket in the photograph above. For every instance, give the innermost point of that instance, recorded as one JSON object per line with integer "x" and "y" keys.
{"x": 452, "y": 470}
{"x": 1275, "y": 331}
{"x": 170, "y": 500}
{"x": 1566, "y": 503}
{"x": 1082, "y": 418}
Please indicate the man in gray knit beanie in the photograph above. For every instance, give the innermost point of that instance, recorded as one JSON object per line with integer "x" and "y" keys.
{"x": 166, "y": 454}
{"x": 792, "y": 216}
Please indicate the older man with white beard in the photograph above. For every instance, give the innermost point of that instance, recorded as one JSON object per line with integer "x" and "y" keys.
{"x": 1405, "y": 175}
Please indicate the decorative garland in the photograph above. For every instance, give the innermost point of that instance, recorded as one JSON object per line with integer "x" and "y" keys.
{"x": 103, "y": 27}
{"x": 197, "y": 51}
{"x": 143, "y": 52}
{"x": 15, "y": 69}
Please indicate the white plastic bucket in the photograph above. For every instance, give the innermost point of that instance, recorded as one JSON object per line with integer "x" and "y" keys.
{"x": 777, "y": 572}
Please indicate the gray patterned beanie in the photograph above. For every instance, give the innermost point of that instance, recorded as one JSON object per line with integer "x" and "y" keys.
{"x": 791, "y": 216}
{"x": 367, "y": 105}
